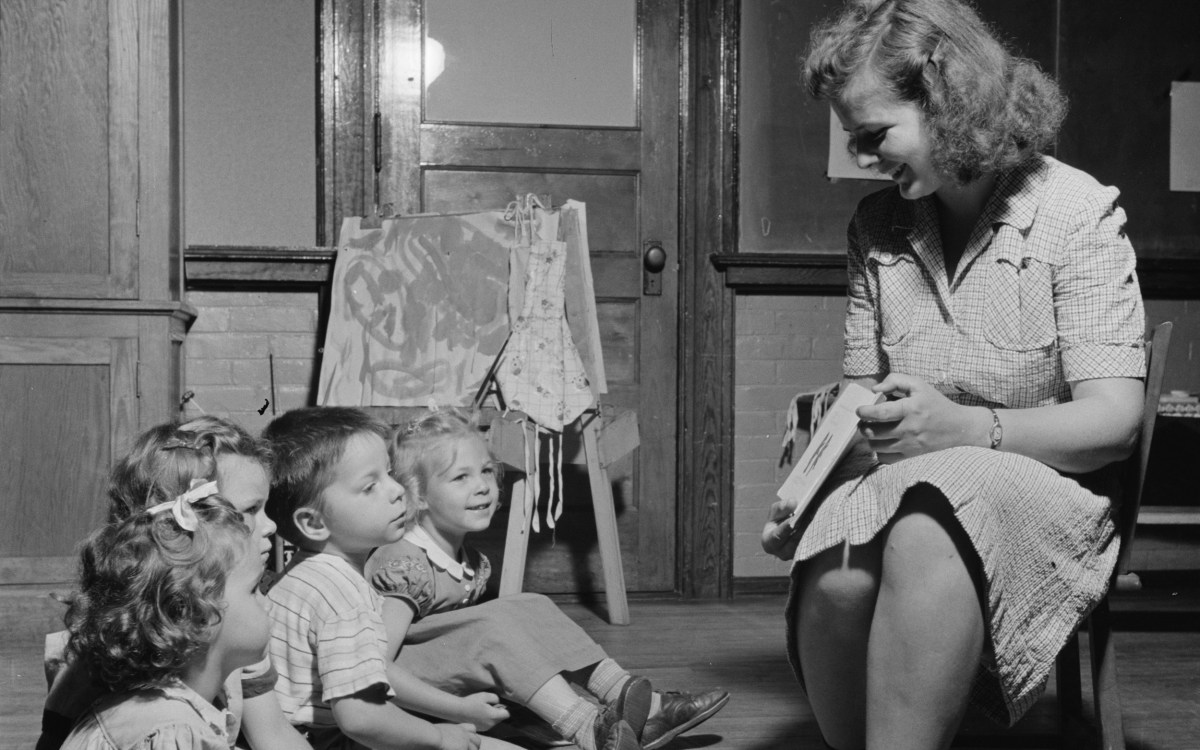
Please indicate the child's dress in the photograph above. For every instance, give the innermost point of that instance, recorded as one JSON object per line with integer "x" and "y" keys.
{"x": 172, "y": 717}
{"x": 512, "y": 645}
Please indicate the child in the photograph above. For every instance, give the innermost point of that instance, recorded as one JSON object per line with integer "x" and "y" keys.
{"x": 332, "y": 497}
{"x": 167, "y": 609}
{"x": 163, "y": 462}
{"x": 522, "y": 645}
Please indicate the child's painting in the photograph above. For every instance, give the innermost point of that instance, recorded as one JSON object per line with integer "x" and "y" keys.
{"x": 418, "y": 312}
{"x": 420, "y": 306}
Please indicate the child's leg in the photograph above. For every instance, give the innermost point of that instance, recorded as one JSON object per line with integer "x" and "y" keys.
{"x": 576, "y": 718}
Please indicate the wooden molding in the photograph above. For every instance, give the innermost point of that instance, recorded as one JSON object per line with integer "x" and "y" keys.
{"x": 229, "y": 267}
{"x": 825, "y": 273}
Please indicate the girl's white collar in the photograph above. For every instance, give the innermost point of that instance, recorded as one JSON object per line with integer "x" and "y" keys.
{"x": 457, "y": 570}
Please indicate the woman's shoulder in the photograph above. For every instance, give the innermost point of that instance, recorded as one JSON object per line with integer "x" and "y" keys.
{"x": 1061, "y": 189}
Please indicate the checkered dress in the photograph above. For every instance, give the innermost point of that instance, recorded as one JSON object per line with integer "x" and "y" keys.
{"x": 1045, "y": 294}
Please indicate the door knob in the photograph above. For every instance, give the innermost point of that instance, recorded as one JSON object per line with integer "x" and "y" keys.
{"x": 654, "y": 260}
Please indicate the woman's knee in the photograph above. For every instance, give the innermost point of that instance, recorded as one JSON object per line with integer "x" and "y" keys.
{"x": 841, "y": 582}
{"x": 925, "y": 539}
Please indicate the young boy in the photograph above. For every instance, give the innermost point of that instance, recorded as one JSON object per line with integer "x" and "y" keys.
{"x": 333, "y": 497}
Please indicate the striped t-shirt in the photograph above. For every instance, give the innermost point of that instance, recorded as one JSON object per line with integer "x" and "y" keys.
{"x": 327, "y": 637}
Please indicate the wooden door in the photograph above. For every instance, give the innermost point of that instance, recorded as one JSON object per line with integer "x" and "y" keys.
{"x": 69, "y": 145}
{"x": 382, "y": 146}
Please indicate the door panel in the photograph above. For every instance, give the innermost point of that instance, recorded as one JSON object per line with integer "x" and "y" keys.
{"x": 69, "y": 133}
{"x": 627, "y": 176}
{"x": 76, "y": 395}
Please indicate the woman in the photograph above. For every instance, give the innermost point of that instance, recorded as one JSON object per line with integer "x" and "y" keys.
{"x": 992, "y": 297}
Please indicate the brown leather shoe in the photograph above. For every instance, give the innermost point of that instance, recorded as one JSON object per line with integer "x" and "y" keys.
{"x": 618, "y": 736}
{"x": 680, "y": 712}
{"x": 632, "y": 704}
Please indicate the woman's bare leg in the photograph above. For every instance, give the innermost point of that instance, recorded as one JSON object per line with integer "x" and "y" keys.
{"x": 835, "y": 611}
{"x": 928, "y": 629}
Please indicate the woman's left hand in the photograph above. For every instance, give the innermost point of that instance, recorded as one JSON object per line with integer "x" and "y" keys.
{"x": 916, "y": 419}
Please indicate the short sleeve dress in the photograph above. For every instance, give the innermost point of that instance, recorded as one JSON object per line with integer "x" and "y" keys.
{"x": 511, "y": 645}
{"x": 1045, "y": 294}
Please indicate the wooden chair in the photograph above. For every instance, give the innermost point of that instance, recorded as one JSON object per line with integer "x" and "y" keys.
{"x": 1108, "y": 725}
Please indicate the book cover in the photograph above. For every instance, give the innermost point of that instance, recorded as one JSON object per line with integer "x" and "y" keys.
{"x": 826, "y": 447}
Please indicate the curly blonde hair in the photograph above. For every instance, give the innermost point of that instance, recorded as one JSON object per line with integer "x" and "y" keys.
{"x": 986, "y": 109}
{"x": 169, "y": 455}
{"x": 152, "y": 594}
{"x": 421, "y": 448}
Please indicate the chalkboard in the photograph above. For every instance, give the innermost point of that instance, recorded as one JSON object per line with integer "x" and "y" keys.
{"x": 1115, "y": 59}
{"x": 1117, "y": 62}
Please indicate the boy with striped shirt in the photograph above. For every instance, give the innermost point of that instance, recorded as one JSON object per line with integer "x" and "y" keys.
{"x": 333, "y": 498}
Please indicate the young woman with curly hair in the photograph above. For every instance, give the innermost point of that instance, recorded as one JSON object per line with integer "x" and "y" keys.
{"x": 168, "y": 608}
{"x": 992, "y": 297}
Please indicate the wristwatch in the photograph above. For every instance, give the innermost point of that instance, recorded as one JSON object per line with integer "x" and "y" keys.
{"x": 997, "y": 432}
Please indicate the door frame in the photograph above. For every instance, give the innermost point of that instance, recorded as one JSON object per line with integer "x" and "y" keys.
{"x": 709, "y": 229}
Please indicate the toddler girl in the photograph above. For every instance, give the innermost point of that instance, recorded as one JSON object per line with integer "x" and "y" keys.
{"x": 168, "y": 607}
{"x": 522, "y": 646}
{"x": 163, "y": 462}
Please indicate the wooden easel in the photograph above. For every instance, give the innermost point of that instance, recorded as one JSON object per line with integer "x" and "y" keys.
{"x": 603, "y": 443}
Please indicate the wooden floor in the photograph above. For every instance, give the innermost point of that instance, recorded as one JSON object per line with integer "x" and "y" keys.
{"x": 738, "y": 645}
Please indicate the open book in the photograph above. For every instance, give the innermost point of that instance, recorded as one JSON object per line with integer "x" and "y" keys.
{"x": 825, "y": 448}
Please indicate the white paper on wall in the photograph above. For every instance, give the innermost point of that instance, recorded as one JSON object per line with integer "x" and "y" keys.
{"x": 1185, "y": 136}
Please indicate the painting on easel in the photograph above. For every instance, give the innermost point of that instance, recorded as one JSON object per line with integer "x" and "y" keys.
{"x": 420, "y": 306}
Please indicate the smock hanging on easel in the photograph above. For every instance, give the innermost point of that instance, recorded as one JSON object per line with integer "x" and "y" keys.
{"x": 539, "y": 371}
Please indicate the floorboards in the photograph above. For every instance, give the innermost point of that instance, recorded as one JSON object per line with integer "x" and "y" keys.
{"x": 738, "y": 645}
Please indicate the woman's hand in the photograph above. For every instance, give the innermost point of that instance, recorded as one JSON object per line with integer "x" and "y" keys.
{"x": 917, "y": 419}
{"x": 777, "y": 537}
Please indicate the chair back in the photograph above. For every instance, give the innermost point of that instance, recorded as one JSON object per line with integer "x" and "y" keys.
{"x": 1134, "y": 475}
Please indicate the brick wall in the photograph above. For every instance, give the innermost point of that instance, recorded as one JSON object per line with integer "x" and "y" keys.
{"x": 784, "y": 345}
{"x": 236, "y": 341}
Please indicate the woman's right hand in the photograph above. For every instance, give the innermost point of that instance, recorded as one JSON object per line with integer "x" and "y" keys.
{"x": 778, "y": 538}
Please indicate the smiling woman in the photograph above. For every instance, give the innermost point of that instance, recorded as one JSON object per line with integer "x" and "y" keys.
{"x": 950, "y": 558}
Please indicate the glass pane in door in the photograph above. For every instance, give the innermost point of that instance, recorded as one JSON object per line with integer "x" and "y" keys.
{"x": 531, "y": 62}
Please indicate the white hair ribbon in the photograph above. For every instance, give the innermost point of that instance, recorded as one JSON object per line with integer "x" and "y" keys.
{"x": 181, "y": 506}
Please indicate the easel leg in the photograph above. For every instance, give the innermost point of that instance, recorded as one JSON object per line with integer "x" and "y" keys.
{"x": 516, "y": 542}
{"x": 606, "y": 526}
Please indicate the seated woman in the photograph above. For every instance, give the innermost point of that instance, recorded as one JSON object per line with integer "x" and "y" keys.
{"x": 992, "y": 297}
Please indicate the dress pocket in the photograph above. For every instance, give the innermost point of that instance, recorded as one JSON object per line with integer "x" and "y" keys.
{"x": 1020, "y": 303}
{"x": 901, "y": 282}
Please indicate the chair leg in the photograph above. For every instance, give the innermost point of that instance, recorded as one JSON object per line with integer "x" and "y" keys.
{"x": 1104, "y": 679}
{"x": 1070, "y": 695}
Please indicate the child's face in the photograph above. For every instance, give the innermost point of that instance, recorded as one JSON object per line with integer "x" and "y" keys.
{"x": 245, "y": 627}
{"x": 243, "y": 482}
{"x": 462, "y": 497}
{"x": 364, "y": 507}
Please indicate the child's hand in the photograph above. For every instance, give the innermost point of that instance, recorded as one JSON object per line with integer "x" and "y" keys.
{"x": 457, "y": 737}
{"x": 484, "y": 710}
